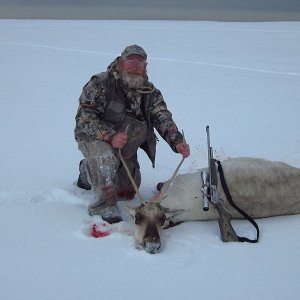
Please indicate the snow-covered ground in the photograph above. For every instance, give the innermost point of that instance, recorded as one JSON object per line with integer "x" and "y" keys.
{"x": 240, "y": 78}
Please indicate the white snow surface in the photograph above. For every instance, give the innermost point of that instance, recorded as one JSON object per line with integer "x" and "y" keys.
{"x": 242, "y": 79}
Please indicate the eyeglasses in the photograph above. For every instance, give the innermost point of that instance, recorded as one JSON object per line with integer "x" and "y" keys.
{"x": 134, "y": 63}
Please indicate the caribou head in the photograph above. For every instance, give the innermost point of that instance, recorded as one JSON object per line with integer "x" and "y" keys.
{"x": 149, "y": 220}
{"x": 150, "y": 217}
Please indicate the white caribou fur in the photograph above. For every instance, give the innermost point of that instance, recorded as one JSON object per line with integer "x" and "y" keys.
{"x": 260, "y": 187}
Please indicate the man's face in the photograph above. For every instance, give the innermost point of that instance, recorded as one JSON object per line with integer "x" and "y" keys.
{"x": 133, "y": 71}
{"x": 134, "y": 64}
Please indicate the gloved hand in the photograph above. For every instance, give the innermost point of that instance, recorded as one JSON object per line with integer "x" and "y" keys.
{"x": 183, "y": 149}
{"x": 119, "y": 140}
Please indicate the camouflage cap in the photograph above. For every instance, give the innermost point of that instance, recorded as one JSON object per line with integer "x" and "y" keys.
{"x": 134, "y": 49}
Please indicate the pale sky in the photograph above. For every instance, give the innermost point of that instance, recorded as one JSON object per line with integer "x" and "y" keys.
{"x": 235, "y": 10}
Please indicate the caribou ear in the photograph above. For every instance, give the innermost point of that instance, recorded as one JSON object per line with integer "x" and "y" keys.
{"x": 131, "y": 211}
{"x": 170, "y": 213}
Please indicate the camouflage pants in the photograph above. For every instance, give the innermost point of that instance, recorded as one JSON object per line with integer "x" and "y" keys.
{"x": 105, "y": 172}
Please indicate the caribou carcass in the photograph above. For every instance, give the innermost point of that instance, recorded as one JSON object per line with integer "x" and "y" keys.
{"x": 260, "y": 187}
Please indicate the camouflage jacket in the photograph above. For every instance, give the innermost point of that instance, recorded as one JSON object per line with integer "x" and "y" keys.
{"x": 94, "y": 119}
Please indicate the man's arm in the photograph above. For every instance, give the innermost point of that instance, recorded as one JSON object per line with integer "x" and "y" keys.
{"x": 163, "y": 122}
{"x": 89, "y": 121}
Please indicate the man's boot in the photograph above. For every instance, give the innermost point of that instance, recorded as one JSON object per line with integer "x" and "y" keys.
{"x": 82, "y": 181}
{"x": 110, "y": 214}
{"x": 106, "y": 207}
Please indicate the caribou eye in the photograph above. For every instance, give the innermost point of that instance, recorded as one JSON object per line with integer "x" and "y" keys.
{"x": 138, "y": 218}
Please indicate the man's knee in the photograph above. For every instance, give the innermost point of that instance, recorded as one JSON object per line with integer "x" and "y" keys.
{"x": 95, "y": 148}
{"x": 100, "y": 158}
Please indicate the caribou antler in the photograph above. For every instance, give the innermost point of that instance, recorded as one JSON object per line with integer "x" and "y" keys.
{"x": 134, "y": 184}
{"x": 131, "y": 179}
{"x": 169, "y": 183}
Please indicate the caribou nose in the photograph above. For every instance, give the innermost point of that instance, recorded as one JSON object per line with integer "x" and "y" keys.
{"x": 152, "y": 247}
{"x": 152, "y": 239}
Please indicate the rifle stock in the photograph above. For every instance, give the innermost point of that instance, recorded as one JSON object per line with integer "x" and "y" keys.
{"x": 227, "y": 232}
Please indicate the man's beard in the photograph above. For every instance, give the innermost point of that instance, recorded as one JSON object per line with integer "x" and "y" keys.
{"x": 133, "y": 81}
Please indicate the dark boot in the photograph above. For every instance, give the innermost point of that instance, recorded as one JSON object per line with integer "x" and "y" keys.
{"x": 107, "y": 206}
{"x": 159, "y": 186}
{"x": 110, "y": 214}
{"x": 82, "y": 181}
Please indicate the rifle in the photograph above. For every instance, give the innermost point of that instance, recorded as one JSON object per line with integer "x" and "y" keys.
{"x": 211, "y": 195}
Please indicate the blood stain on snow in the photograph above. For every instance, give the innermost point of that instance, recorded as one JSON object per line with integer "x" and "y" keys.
{"x": 99, "y": 233}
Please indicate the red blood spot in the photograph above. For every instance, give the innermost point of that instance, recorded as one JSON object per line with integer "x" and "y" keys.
{"x": 96, "y": 233}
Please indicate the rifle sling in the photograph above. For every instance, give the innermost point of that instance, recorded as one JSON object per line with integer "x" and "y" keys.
{"x": 230, "y": 200}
